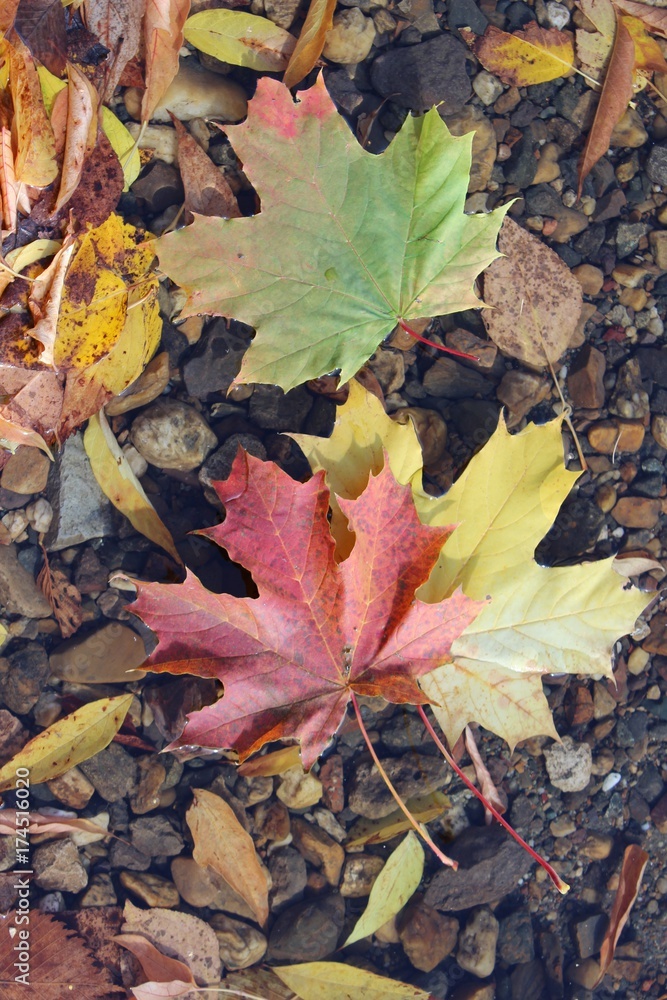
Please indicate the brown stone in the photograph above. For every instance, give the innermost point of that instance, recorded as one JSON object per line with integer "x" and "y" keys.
{"x": 12, "y": 736}
{"x": 473, "y": 119}
{"x": 72, "y": 788}
{"x": 427, "y": 936}
{"x": 318, "y": 848}
{"x": 597, "y": 846}
{"x": 109, "y": 655}
{"x": 146, "y": 796}
{"x": 659, "y": 430}
{"x": 485, "y": 351}
{"x": 658, "y": 243}
{"x": 430, "y": 427}
{"x": 26, "y": 471}
{"x": 590, "y": 278}
{"x": 331, "y": 776}
{"x": 609, "y": 436}
{"x": 656, "y": 641}
{"x": 240, "y": 944}
{"x": 272, "y": 821}
{"x": 151, "y": 889}
{"x": 659, "y": 814}
{"x": 637, "y": 512}
{"x": 585, "y": 379}
{"x": 359, "y": 875}
{"x": 520, "y": 391}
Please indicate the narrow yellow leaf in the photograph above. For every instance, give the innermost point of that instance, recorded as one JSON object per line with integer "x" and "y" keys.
{"x": 221, "y": 843}
{"x": 310, "y": 43}
{"x": 68, "y": 741}
{"x": 240, "y": 39}
{"x": 333, "y": 981}
{"x": 396, "y": 883}
{"x": 424, "y": 808}
{"x": 31, "y": 253}
{"x": 118, "y": 482}
{"x": 123, "y": 145}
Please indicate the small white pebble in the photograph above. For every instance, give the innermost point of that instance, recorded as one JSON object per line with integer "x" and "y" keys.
{"x": 611, "y": 781}
{"x": 137, "y": 462}
{"x": 557, "y": 14}
{"x": 16, "y": 522}
{"x": 40, "y": 515}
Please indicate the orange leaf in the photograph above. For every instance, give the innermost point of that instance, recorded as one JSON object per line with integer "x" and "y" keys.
{"x": 8, "y": 10}
{"x": 616, "y": 94}
{"x": 308, "y": 50}
{"x": 654, "y": 17}
{"x": 163, "y": 37}
{"x": 634, "y": 863}
{"x": 534, "y": 55}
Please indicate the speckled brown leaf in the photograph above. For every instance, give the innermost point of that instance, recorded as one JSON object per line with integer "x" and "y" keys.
{"x": 180, "y": 936}
{"x": 655, "y": 18}
{"x": 535, "y": 300}
{"x": 117, "y": 24}
{"x": 41, "y": 25}
{"x": 614, "y": 99}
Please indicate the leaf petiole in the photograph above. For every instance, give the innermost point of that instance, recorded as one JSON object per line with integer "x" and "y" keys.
{"x": 418, "y": 827}
{"x": 562, "y": 886}
{"x": 431, "y": 343}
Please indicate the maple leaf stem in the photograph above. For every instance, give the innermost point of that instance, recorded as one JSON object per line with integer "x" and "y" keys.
{"x": 418, "y": 827}
{"x": 431, "y": 343}
{"x": 562, "y": 886}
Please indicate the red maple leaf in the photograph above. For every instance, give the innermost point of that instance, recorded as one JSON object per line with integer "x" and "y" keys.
{"x": 319, "y": 630}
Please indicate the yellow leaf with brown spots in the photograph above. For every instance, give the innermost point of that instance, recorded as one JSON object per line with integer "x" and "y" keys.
{"x": 534, "y": 55}
{"x": 35, "y": 162}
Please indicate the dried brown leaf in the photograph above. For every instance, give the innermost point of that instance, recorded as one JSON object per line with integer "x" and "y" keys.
{"x": 60, "y": 965}
{"x": 207, "y": 191}
{"x": 158, "y": 967}
{"x": 535, "y": 299}
{"x": 614, "y": 99}
{"x": 310, "y": 43}
{"x": 42, "y": 824}
{"x": 41, "y": 25}
{"x": 64, "y": 598}
{"x": 82, "y": 107}
{"x": 223, "y": 845}
{"x": 117, "y": 24}
{"x": 632, "y": 870}
{"x": 180, "y": 935}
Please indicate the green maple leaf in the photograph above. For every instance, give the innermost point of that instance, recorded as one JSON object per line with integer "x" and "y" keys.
{"x": 346, "y": 244}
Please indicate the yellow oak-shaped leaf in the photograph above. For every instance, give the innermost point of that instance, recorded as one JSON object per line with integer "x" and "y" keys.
{"x": 363, "y": 434}
{"x": 396, "y": 883}
{"x": 538, "y": 620}
{"x": 68, "y": 741}
{"x": 534, "y": 55}
{"x": 335, "y": 981}
{"x": 121, "y": 486}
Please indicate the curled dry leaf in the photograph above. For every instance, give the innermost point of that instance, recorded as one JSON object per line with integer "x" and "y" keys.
{"x": 523, "y": 58}
{"x": 221, "y": 844}
{"x": 614, "y": 99}
{"x": 68, "y": 741}
{"x": 35, "y": 162}
{"x": 310, "y": 42}
{"x": 64, "y": 598}
{"x": 43, "y": 823}
{"x": 654, "y": 17}
{"x": 394, "y": 886}
{"x": 117, "y": 25}
{"x": 535, "y": 299}
{"x": 270, "y": 764}
{"x": 163, "y": 37}
{"x": 119, "y": 483}
{"x": 81, "y": 132}
{"x": 424, "y": 808}
{"x": 634, "y": 862}
{"x": 241, "y": 39}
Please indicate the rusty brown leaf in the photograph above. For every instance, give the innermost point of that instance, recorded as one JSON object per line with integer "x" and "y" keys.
{"x": 41, "y": 25}
{"x": 207, "y": 191}
{"x": 654, "y": 17}
{"x": 614, "y": 99}
{"x": 117, "y": 24}
{"x": 632, "y": 871}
